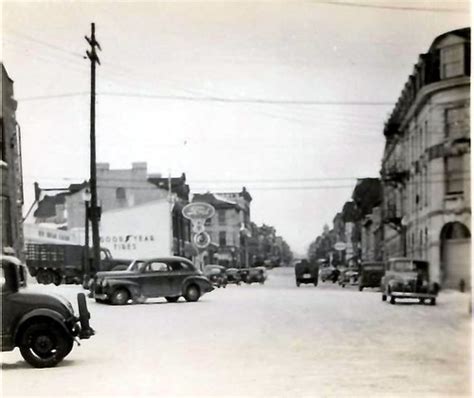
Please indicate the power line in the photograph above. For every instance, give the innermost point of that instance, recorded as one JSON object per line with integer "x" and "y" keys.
{"x": 396, "y": 8}
{"x": 266, "y": 101}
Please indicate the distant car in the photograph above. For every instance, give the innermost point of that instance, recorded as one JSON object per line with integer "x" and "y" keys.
{"x": 306, "y": 272}
{"x": 371, "y": 274}
{"x": 256, "y": 274}
{"x": 407, "y": 278}
{"x": 348, "y": 276}
{"x": 168, "y": 277}
{"x": 233, "y": 276}
{"x": 43, "y": 326}
{"x": 326, "y": 272}
{"x": 216, "y": 274}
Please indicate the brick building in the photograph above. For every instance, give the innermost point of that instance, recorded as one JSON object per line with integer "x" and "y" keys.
{"x": 12, "y": 181}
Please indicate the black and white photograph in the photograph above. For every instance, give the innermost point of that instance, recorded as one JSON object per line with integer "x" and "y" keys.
{"x": 236, "y": 198}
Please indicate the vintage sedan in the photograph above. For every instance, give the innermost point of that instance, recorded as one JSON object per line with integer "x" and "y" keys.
{"x": 256, "y": 275}
{"x": 407, "y": 278}
{"x": 216, "y": 274}
{"x": 168, "y": 277}
{"x": 371, "y": 274}
{"x": 234, "y": 276}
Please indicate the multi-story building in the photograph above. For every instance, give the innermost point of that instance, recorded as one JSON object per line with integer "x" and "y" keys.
{"x": 426, "y": 163}
{"x": 229, "y": 227}
{"x": 121, "y": 189}
{"x": 12, "y": 181}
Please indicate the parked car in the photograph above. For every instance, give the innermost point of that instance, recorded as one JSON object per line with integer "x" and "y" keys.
{"x": 348, "y": 276}
{"x": 42, "y": 326}
{"x": 371, "y": 274}
{"x": 328, "y": 273}
{"x": 306, "y": 272}
{"x": 233, "y": 276}
{"x": 216, "y": 274}
{"x": 168, "y": 277}
{"x": 256, "y": 274}
{"x": 407, "y": 278}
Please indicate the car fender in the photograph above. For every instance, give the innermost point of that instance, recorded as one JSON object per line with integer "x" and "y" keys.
{"x": 133, "y": 287}
{"x": 41, "y": 313}
{"x": 201, "y": 281}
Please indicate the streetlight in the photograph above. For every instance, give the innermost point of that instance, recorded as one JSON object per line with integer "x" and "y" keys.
{"x": 86, "y": 196}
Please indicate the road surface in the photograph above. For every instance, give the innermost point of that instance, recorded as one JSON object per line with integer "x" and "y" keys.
{"x": 262, "y": 340}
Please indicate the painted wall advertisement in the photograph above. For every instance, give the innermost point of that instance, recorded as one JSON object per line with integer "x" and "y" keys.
{"x": 140, "y": 231}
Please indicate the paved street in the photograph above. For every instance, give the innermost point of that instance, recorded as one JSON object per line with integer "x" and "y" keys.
{"x": 271, "y": 340}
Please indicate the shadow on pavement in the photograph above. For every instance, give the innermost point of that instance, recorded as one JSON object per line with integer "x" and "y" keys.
{"x": 25, "y": 365}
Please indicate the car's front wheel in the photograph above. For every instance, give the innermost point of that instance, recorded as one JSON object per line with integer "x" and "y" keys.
{"x": 120, "y": 297}
{"x": 192, "y": 293}
{"x": 45, "y": 344}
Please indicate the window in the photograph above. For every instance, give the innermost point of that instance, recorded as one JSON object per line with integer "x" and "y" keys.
{"x": 454, "y": 174}
{"x": 157, "y": 267}
{"x": 452, "y": 61}
{"x": 457, "y": 121}
{"x": 6, "y": 222}
{"x": 120, "y": 193}
{"x": 221, "y": 217}
{"x": 222, "y": 238}
{"x": 2, "y": 143}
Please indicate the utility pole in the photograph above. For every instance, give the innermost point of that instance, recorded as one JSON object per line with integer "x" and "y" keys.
{"x": 94, "y": 209}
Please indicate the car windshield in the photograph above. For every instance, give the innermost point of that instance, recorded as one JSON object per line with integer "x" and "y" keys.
{"x": 403, "y": 266}
{"x": 373, "y": 267}
{"x": 135, "y": 265}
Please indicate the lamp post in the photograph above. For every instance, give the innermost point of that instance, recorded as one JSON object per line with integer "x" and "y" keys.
{"x": 86, "y": 196}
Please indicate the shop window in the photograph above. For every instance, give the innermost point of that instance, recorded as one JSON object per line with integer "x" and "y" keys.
{"x": 454, "y": 175}
{"x": 452, "y": 61}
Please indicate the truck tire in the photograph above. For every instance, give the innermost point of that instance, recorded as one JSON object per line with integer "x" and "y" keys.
{"x": 56, "y": 278}
{"x": 45, "y": 344}
{"x": 45, "y": 276}
{"x": 192, "y": 293}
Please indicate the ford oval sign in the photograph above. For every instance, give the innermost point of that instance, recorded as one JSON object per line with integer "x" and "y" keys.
{"x": 198, "y": 210}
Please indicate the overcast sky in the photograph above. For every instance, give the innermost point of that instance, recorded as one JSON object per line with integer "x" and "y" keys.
{"x": 316, "y": 79}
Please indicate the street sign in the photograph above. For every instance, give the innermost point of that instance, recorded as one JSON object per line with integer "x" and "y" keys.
{"x": 340, "y": 246}
{"x": 198, "y": 210}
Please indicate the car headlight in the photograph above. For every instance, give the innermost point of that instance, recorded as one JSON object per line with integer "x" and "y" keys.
{"x": 103, "y": 283}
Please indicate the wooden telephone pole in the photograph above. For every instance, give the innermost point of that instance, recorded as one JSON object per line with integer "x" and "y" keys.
{"x": 94, "y": 210}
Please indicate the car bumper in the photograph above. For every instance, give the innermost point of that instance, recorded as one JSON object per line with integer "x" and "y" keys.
{"x": 412, "y": 295}
{"x": 101, "y": 296}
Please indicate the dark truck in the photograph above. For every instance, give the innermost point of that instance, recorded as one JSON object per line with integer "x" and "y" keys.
{"x": 56, "y": 263}
{"x": 306, "y": 272}
{"x": 43, "y": 326}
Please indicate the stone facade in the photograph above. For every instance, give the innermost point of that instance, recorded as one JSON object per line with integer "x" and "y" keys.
{"x": 426, "y": 163}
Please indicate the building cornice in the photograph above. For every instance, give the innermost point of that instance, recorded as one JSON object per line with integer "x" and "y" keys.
{"x": 426, "y": 92}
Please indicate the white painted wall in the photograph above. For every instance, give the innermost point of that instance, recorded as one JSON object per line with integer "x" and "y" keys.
{"x": 137, "y": 232}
